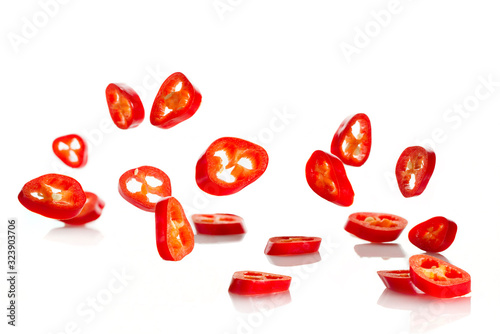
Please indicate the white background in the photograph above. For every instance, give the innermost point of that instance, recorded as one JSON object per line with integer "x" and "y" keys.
{"x": 251, "y": 60}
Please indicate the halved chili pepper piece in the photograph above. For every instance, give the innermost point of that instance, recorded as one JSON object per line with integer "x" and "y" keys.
{"x": 53, "y": 196}
{"x": 433, "y": 235}
{"x": 144, "y": 187}
{"x": 375, "y": 227}
{"x": 176, "y": 101}
{"x": 174, "y": 235}
{"x": 71, "y": 149}
{"x": 218, "y": 224}
{"x": 92, "y": 210}
{"x": 398, "y": 280}
{"x": 326, "y": 176}
{"x": 438, "y": 278}
{"x": 257, "y": 282}
{"x": 125, "y": 106}
{"x": 414, "y": 170}
{"x": 230, "y": 164}
{"x": 292, "y": 245}
{"x": 353, "y": 140}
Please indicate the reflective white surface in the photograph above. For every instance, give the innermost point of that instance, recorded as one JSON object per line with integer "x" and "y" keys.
{"x": 273, "y": 73}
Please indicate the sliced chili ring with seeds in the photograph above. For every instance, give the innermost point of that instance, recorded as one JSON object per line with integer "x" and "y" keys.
{"x": 375, "y": 227}
{"x": 433, "y": 235}
{"x": 326, "y": 176}
{"x": 218, "y": 224}
{"x": 292, "y": 245}
{"x": 125, "y": 106}
{"x": 144, "y": 186}
{"x": 398, "y": 280}
{"x": 174, "y": 235}
{"x": 438, "y": 278}
{"x": 176, "y": 101}
{"x": 230, "y": 164}
{"x": 72, "y": 150}
{"x": 257, "y": 282}
{"x": 353, "y": 140}
{"x": 414, "y": 170}
{"x": 53, "y": 196}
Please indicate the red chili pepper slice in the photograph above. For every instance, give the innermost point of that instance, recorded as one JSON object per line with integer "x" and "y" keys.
{"x": 176, "y": 101}
{"x": 326, "y": 176}
{"x": 92, "y": 210}
{"x": 398, "y": 280}
{"x": 292, "y": 245}
{"x": 71, "y": 149}
{"x": 433, "y": 235}
{"x": 353, "y": 140}
{"x": 414, "y": 170}
{"x": 218, "y": 224}
{"x": 257, "y": 282}
{"x": 53, "y": 196}
{"x": 125, "y": 106}
{"x": 438, "y": 278}
{"x": 144, "y": 187}
{"x": 375, "y": 227}
{"x": 174, "y": 235}
{"x": 229, "y": 165}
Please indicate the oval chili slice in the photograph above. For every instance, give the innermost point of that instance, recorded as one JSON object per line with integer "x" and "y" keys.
{"x": 326, "y": 176}
{"x": 353, "y": 140}
{"x": 92, "y": 210}
{"x": 414, "y": 170}
{"x": 144, "y": 186}
{"x": 292, "y": 245}
{"x": 230, "y": 164}
{"x": 174, "y": 235}
{"x": 72, "y": 150}
{"x": 438, "y": 278}
{"x": 375, "y": 227}
{"x": 218, "y": 224}
{"x": 398, "y": 280}
{"x": 53, "y": 196}
{"x": 433, "y": 235}
{"x": 176, "y": 101}
{"x": 257, "y": 282}
{"x": 125, "y": 106}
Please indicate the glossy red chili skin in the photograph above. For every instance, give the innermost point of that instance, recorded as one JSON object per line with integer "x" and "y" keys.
{"x": 348, "y": 153}
{"x": 125, "y": 106}
{"x": 92, "y": 209}
{"x": 433, "y": 235}
{"x": 183, "y": 102}
{"x": 399, "y": 281}
{"x": 140, "y": 199}
{"x": 174, "y": 235}
{"x": 326, "y": 176}
{"x": 292, "y": 245}
{"x": 383, "y": 228}
{"x": 438, "y": 278}
{"x": 258, "y": 283}
{"x": 210, "y": 165}
{"x": 71, "y": 147}
{"x": 38, "y": 196}
{"x": 218, "y": 224}
{"x": 415, "y": 156}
